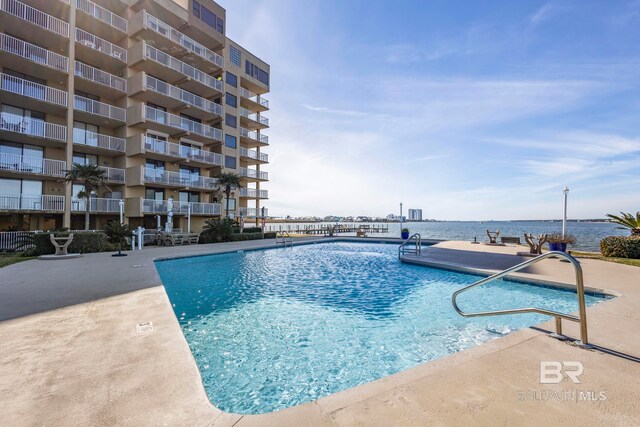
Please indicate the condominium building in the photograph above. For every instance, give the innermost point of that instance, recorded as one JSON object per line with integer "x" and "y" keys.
{"x": 151, "y": 91}
{"x": 415, "y": 214}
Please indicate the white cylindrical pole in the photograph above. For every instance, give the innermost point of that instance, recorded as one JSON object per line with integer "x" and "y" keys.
{"x": 400, "y": 217}
{"x": 564, "y": 215}
{"x": 189, "y": 218}
{"x": 121, "y": 205}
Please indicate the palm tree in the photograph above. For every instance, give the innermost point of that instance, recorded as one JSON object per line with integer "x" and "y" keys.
{"x": 627, "y": 221}
{"x": 92, "y": 178}
{"x": 228, "y": 181}
{"x": 117, "y": 235}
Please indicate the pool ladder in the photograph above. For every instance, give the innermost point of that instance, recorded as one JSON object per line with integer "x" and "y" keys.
{"x": 283, "y": 237}
{"x": 403, "y": 249}
{"x": 581, "y": 318}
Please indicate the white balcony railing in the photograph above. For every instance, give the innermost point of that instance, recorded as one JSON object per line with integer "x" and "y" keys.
{"x": 180, "y": 208}
{"x": 161, "y": 147}
{"x": 183, "y": 123}
{"x": 171, "y": 149}
{"x": 254, "y": 117}
{"x": 115, "y": 175}
{"x": 33, "y": 53}
{"x": 253, "y": 212}
{"x": 254, "y": 135}
{"x": 35, "y": 16}
{"x": 252, "y": 173}
{"x": 253, "y": 154}
{"x": 96, "y": 204}
{"x": 188, "y": 43}
{"x": 102, "y": 14}
{"x": 92, "y": 139}
{"x": 183, "y": 68}
{"x": 245, "y": 93}
{"x": 174, "y": 92}
{"x": 198, "y": 208}
{"x": 101, "y": 45}
{"x": 27, "y": 126}
{"x": 33, "y": 90}
{"x": 32, "y": 165}
{"x": 156, "y": 176}
{"x": 31, "y": 202}
{"x": 101, "y": 77}
{"x": 254, "y": 193}
{"x": 87, "y": 105}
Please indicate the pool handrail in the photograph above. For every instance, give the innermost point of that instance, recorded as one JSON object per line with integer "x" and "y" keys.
{"x": 581, "y": 318}
{"x": 286, "y": 238}
{"x": 418, "y": 249}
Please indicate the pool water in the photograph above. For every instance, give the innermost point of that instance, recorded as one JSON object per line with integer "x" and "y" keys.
{"x": 274, "y": 328}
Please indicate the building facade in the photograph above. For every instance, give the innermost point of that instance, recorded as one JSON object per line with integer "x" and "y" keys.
{"x": 415, "y": 214}
{"x": 151, "y": 91}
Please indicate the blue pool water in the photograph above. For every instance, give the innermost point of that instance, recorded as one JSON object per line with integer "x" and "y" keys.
{"x": 275, "y": 328}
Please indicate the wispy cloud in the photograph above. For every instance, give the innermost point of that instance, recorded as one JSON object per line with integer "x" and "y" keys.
{"x": 543, "y": 13}
{"x": 334, "y": 111}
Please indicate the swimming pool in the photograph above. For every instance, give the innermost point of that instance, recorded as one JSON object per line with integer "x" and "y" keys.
{"x": 275, "y": 328}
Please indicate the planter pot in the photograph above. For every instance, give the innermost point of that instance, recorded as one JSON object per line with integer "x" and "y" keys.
{"x": 404, "y": 235}
{"x": 559, "y": 247}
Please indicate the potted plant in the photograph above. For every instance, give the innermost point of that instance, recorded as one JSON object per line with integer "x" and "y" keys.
{"x": 404, "y": 233}
{"x": 558, "y": 242}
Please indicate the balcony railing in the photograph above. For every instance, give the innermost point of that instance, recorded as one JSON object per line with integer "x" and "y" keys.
{"x": 245, "y": 93}
{"x": 171, "y": 149}
{"x": 96, "y": 204}
{"x": 254, "y": 135}
{"x": 253, "y": 154}
{"x": 102, "y": 14}
{"x": 98, "y": 76}
{"x": 188, "y": 43}
{"x": 87, "y": 105}
{"x": 34, "y": 165}
{"x": 33, "y": 53}
{"x": 92, "y": 139}
{"x": 33, "y": 90}
{"x": 178, "y": 122}
{"x": 254, "y": 193}
{"x": 180, "y": 208}
{"x": 252, "y": 212}
{"x": 183, "y": 68}
{"x": 32, "y": 127}
{"x": 35, "y": 16}
{"x": 115, "y": 175}
{"x": 254, "y": 117}
{"x": 252, "y": 173}
{"x": 174, "y": 92}
{"x": 31, "y": 202}
{"x": 101, "y": 45}
{"x": 178, "y": 179}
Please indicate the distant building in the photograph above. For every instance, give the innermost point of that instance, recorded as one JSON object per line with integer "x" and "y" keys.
{"x": 415, "y": 214}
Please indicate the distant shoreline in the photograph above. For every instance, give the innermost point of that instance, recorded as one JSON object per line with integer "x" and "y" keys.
{"x": 309, "y": 221}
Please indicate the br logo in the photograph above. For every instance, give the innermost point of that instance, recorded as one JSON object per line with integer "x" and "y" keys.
{"x": 553, "y": 371}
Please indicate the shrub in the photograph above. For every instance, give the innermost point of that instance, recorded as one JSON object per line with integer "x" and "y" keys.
{"x": 569, "y": 239}
{"x": 83, "y": 243}
{"x": 252, "y": 236}
{"x": 217, "y": 230}
{"x": 252, "y": 230}
{"x": 621, "y": 246}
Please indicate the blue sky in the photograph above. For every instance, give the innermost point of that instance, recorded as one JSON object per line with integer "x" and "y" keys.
{"x": 467, "y": 109}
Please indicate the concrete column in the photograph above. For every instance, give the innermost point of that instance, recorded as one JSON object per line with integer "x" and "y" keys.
{"x": 66, "y": 220}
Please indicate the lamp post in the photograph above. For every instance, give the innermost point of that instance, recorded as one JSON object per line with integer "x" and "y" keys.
{"x": 565, "y": 192}
{"x": 400, "y": 217}
{"x": 121, "y": 206}
{"x": 262, "y": 220}
{"x": 189, "y": 217}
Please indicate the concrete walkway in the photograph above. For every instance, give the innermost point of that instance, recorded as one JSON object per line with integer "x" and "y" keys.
{"x": 70, "y": 354}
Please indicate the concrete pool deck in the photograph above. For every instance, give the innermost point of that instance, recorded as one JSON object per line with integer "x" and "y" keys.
{"x": 70, "y": 353}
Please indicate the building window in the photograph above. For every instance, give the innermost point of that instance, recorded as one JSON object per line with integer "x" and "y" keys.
{"x": 235, "y": 56}
{"x": 232, "y": 79}
{"x": 208, "y": 17}
{"x": 230, "y": 141}
{"x": 256, "y": 72}
{"x": 231, "y": 206}
{"x": 231, "y": 100}
{"x": 85, "y": 159}
{"x": 231, "y": 120}
{"x": 229, "y": 162}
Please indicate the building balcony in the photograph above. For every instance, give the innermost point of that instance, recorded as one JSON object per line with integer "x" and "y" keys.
{"x": 253, "y": 212}
{"x": 109, "y": 56}
{"x": 144, "y": 57}
{"x": 23, "y": 129}
{"x": 252, "y": 120}
{"x": 139, "y": 206}
{"x": 114, "y": 175}
{"x": 95, "y": 112}
{"x": 31, "y": 203}
{"x": 102, "y": 22}
{"x": 96, "y": 205}
{"x": 148, "y": 117}
{"x": 253, "y": 101}
{"x": 27, "y": 22}
{"x": 22, "y": 56}
{"x": 98, "y": 82}
{"x": 253, "y": 156}
{"x": 15, "y": 164}
{"x": 150, "y": 89}
{"x": 96, "y": 143}
{"x": 253, "y": 193}
{"x": 142, "y": 175}
{"x": 171, "y": 152}
{"x": 252, "y": 138}
{"x": 147, "y": 27}
{"x": 254, "y": 175}
{"x": 34, "y": 96}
